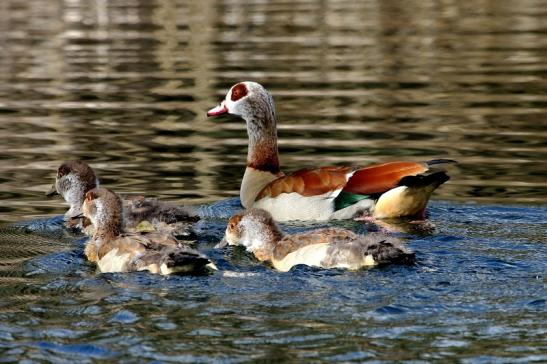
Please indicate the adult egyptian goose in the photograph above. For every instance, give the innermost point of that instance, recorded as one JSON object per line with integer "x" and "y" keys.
{"x": 388, "y": 190}
{"x": 115, "y": 251}
{"x": 75, "y": 178}
{"x": 256, "y": 230}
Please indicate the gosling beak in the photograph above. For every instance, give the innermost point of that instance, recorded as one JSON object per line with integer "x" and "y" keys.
{"x": 218, "y": 110}
{"x": 52, "y": 192}
{"x": 222, "y": 243}
{"x": 79, "y": 216}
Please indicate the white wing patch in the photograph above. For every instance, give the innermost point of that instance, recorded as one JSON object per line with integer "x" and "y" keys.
{"x": 294, "y": 206}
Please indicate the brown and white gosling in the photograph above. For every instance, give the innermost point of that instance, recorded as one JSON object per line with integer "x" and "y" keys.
{"x": 115, "y": 251}
{"x": 256, "y": 230}
{"x": 75, "y": 178}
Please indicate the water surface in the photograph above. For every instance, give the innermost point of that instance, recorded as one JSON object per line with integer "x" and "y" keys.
{"x": 125, "y": 85}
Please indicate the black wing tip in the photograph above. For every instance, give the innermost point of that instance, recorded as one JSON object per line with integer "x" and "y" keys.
{"x": 434, "y": 162}
{"x": 423, "y": 180}
{"x": 185, "y": 258}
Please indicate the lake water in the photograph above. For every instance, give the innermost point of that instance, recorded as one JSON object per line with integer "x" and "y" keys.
{"x": 125, "y": 86}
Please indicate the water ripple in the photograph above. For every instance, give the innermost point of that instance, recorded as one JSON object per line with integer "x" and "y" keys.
{"x": 125, "y": 85}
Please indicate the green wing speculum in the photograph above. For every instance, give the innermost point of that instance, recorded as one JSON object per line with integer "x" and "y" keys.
{"x": 345, "y": 199}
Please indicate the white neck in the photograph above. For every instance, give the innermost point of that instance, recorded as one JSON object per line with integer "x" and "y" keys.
{"x": 253, "y": 182}
{"x": 75, "y": 198}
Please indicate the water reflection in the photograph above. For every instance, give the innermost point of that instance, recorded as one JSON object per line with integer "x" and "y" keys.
{"x": 125, "y": 85}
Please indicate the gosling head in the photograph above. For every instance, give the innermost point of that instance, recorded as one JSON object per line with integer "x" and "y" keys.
{"x": 74, "y": 178}
{"x": 255, "y": 229}
{"x": 104, "y": 209}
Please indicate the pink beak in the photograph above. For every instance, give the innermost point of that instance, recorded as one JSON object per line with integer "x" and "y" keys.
{"x": 218, "y": 110}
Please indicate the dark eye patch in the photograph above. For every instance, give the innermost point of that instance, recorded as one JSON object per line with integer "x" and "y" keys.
{"x": 239, "y": 91}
